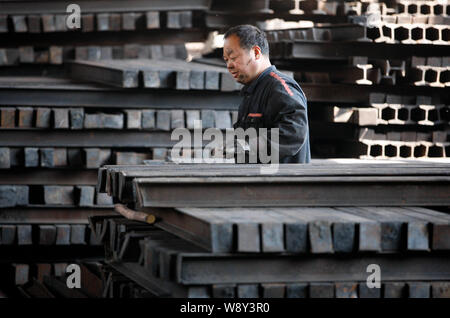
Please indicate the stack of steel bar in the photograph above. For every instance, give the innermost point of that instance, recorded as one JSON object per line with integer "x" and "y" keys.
{"x": 51, "y": 145}
{"x": 38, "y": 33}
{"x": 47, "y": 32}
{"x": 393, "y": 126}
{"x": 223, "y": 230}
{"x": 54, "y": 132}
{"x": 389, "y": 53}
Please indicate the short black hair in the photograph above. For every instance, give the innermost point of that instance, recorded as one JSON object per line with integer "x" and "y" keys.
{"x": 249, "y": 36}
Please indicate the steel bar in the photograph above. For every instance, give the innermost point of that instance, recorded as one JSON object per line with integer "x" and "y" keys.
{"x": 336, "y": 50}
{"x": 214, "y": 269}
{"x": 244, "y": 192}
{"x": 123, "y": 176}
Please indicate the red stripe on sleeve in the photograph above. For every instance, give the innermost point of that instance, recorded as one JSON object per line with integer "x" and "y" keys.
{"x": 288, "y": 90}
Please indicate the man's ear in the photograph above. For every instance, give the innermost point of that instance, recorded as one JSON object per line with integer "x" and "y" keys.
{"x": 257, "y": 51}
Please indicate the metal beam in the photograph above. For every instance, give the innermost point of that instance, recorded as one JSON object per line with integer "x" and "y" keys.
{"x": 193, "y": 269}
{"x": 307, "y": 191}
{"x": 117, "y": 180}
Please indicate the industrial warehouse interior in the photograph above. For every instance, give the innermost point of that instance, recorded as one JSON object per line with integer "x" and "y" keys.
{"x": 99, "y": 198}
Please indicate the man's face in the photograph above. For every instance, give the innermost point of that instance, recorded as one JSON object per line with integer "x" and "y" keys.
{"x": 240, "y": 62}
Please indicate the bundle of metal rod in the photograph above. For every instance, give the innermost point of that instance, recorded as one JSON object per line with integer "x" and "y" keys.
{"x": 168, "y": 266}
{"x": 182, "y": 185}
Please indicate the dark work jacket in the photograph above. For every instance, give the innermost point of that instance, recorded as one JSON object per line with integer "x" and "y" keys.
{"x": 274, "y": 100}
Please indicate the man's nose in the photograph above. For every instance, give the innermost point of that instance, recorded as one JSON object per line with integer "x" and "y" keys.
{"x": 230, "y": 65}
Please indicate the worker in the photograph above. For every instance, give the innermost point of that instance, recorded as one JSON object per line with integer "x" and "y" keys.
{"x": 271, "y": 99}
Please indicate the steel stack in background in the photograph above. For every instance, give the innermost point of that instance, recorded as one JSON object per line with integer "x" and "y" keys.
{"x": 397, "y": 58}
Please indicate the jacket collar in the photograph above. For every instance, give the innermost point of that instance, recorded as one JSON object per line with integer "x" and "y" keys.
{"x": 250, "y": 88}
